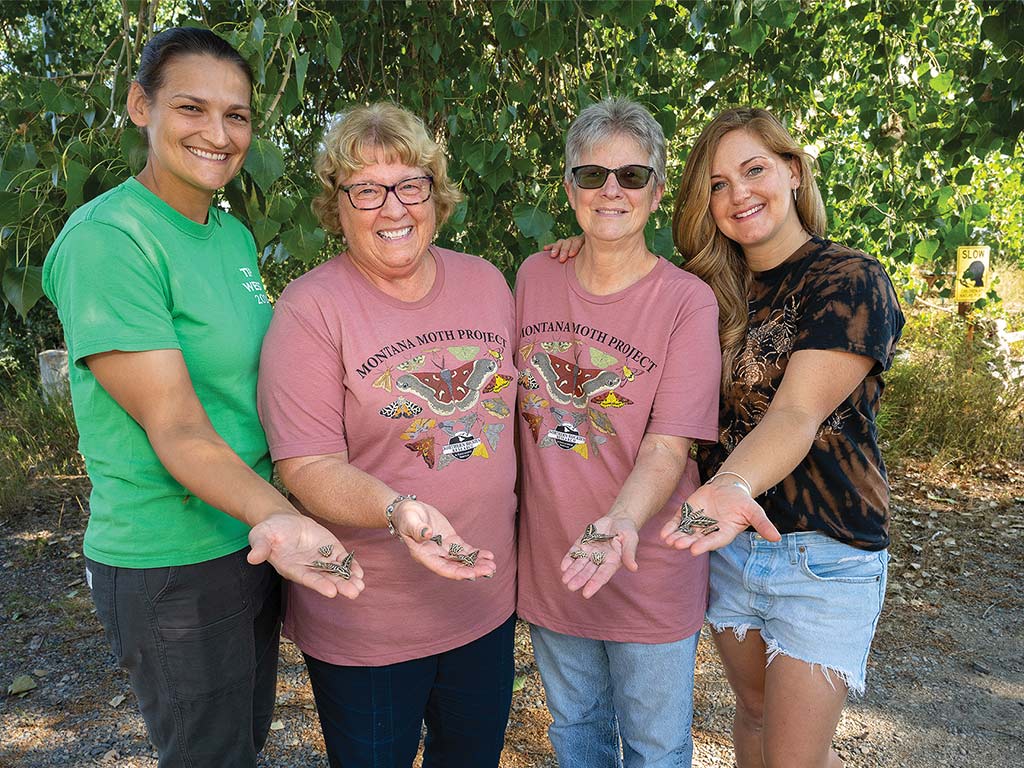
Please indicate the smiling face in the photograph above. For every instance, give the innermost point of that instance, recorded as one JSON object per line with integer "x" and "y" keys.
{"x": 752, "y": 192}
{"x": 390, "y": 242}
{"x": 613, "y": 214}
{"x": 199, "y": 127}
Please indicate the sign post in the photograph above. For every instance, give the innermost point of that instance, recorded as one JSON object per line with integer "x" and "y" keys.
{"x": 971, "y": 280}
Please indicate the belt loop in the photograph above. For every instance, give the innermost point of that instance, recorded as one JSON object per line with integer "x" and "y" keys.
{"x": 793, "y": 546}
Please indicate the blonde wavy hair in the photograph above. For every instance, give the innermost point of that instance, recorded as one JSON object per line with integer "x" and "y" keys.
{"x": 708, "y": 253}
{"x": 352, "y": 144}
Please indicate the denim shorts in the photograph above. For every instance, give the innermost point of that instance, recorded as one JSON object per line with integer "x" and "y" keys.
{"x": 812, "y": 598}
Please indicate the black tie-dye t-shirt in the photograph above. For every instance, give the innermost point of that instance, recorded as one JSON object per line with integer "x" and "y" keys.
{"x": 828, "y": 297}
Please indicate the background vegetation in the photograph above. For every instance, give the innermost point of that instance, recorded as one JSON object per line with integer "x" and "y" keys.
{"x": 915, "y": 109}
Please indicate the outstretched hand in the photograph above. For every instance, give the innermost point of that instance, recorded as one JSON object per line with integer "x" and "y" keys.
{"x": 566, "y": 248}
{"x": 291, "y": 542}
{"x": 733, "y": 511}
{"x": 582, "y": 572}
{"x": 434, "y": 544}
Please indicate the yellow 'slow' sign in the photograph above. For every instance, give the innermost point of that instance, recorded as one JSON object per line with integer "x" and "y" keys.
{"x": 973, "y": 276}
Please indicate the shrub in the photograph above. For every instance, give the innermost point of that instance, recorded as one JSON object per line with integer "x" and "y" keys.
{"x": 948, "y": 400}
{"x": 36, "y": 437}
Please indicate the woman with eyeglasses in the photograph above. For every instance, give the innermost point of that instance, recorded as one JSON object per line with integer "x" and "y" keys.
{"x": 386, "y": 388}
{"x": 618, "y": 375}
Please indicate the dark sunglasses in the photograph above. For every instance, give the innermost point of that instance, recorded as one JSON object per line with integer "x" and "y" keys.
{"x": 628, "y": 176}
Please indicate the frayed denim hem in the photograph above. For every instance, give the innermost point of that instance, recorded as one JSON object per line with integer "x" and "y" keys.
{"x": 739, "y": 630}
{"x": 853, "y": 683}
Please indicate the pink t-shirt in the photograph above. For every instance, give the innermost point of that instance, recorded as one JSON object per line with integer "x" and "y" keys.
{"x": 420, "y": 394}
{"x": 596, "y": 373}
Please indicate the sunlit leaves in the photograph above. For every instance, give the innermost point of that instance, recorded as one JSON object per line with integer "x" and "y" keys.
{"x": 942, "y": 83}
{"x": 925, "y": 250}
{"x": 909, "y": 106}
{"x": 750, "y": 35}
{"x": 22, "y": 287}
{"x": 533, "y": 222}
{"x": 265, "y": 163}
{"x": 304, "y": 244}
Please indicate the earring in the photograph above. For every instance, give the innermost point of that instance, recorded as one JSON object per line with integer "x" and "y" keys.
{"x": 794, "y": 195}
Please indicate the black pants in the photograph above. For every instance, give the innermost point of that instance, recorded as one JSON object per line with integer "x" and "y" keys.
{"x": 200, "y": 645}
{"x": 372, "y": 716}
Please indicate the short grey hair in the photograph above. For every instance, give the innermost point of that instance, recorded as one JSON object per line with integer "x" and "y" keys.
{"x": 608, "y": 119}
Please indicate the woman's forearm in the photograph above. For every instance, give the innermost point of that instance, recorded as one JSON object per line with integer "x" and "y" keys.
{"x": 198, "y": 458}
{"x": 660, "y": 463}
{"x": 772, "y": 449}
{"x": 332, "y": 489}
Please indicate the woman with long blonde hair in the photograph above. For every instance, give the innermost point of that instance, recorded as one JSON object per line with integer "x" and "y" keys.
{"x": 807, "y": 326}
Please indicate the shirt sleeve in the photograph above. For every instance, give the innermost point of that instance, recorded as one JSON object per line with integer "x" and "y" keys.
{"x": 109, "y": 293}
{"x": 852, "y": 307}
{"x": 301, "y": 389}
{"x": 686, "y": 403}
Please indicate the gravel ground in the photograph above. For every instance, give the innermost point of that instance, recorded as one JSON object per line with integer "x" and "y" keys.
{"x": 945, "y": 681}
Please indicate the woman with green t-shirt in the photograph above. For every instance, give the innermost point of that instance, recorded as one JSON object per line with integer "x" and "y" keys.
{"x": 164, "y": 313}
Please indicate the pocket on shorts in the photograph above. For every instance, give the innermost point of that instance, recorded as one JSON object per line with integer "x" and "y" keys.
{"x": 102, "y": 580}
{"x": 834, "y": 561}
{"x": 205, "y": 627}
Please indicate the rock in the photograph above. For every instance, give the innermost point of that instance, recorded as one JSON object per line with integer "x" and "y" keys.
{"x": 21, "y": 684}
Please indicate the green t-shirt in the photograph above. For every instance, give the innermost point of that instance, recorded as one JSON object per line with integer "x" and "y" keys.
{"x": 130, "y": 273}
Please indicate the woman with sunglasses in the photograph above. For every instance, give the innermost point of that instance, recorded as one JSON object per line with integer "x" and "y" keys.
{"x": 807, "y": 328}
{"x": 386, "y": 385}
{"x": 163, "y": 313}
{"x": 619, "y": 370}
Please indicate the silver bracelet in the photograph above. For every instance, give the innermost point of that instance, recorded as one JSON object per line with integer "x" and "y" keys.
{"x": 389, "y": 510}
{"x": 745, "y": 485}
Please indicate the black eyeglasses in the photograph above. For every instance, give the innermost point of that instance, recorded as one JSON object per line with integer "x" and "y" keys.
{"x": 628, "y": 176}
{"x": 367, "y": 196}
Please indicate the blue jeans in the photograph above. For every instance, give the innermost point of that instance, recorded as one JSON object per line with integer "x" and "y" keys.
{"x": 371, "y": 716}
{"x": 199, "y": 643}
{"x": 599, "y": 691}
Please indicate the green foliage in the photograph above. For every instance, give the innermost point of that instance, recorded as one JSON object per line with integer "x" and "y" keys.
{"x": 36, "y": 437}
{"x": 913, "y": 107}
{"x": 21, "y": 339}
{"x": 950, "y": 401}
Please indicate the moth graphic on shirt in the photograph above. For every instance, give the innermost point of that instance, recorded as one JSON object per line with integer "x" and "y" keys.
{"x": 448, "y": 390}
{"x": 460, "y": 403}
{"x": 568, "y": 383}
{"x": 765, "y": 344}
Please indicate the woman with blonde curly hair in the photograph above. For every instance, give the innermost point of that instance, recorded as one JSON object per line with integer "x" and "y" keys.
{"x": 386, "y": 381}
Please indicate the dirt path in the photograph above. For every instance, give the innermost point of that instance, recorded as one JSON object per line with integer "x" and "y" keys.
{"x": 945, "y": 680}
